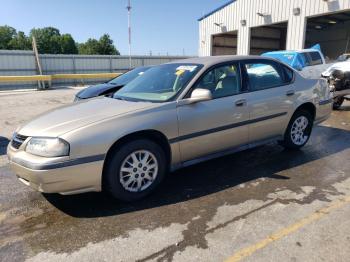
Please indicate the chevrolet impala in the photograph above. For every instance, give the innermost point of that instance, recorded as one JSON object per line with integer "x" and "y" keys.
{"x": 172, "y": 116}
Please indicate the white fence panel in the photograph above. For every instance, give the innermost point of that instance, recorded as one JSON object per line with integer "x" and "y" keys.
{"x": 15, "y": 62}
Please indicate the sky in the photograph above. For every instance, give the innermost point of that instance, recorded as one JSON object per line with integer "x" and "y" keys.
{"x": 161, "y": 26}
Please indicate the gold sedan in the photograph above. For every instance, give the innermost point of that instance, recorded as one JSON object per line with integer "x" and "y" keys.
{"x": 174, "y": 115}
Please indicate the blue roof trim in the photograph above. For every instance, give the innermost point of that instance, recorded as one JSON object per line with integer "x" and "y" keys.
{"x": 217, "y": 9}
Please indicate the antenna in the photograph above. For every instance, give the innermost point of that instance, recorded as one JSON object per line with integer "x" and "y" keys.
{"x": 129, "y": 28}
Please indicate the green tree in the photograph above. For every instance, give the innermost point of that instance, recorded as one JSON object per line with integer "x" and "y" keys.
{"x": 103, "y": 46}
{"x": 106, "y": 46}
{"x": 20, "y": 42}
{"x": 48, "y": 40}
{"x": 6, "y": 35}
{"x": 90, "y": 47}
{"x": 68, "y": 45}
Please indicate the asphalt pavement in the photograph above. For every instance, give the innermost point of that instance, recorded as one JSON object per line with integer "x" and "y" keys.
{"x": 264, "y": 204}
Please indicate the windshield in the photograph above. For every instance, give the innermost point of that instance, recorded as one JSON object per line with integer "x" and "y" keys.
{"x": 128, "y": 76}
{"x": 159, "y": 83}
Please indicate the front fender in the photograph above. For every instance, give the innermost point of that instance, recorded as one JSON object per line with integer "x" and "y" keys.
{"x": 97, "y": 138}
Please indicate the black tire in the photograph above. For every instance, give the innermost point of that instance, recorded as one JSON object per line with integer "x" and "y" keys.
{"x": 112, "y": 173}
{"x": 288, "y": 141}
{"x": 338, "y": 101}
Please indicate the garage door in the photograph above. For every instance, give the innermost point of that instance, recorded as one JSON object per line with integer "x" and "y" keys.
{"x": 224, "y": 44}
{"x": 268, "y": 38}
{"x": 331, "y": 31}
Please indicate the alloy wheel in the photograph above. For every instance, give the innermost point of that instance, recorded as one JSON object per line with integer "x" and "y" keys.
{"x": 298, "y": 132}
{"x": 138, "y": 171}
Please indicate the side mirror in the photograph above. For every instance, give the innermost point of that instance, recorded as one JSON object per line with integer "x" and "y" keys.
{"x": 198, "y": 95}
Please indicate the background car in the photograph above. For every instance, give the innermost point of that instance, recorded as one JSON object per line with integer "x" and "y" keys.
{"x": 299, "y": 59}
{"x": 110, "y": 87}
{"x": 338, "y": 76}
{"x": 343, "y": 57}
{"x": 309, "y": 62}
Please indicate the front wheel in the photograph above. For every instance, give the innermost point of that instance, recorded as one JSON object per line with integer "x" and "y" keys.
{"x": 299, "y": 130}
{"x": 134, "y": 170}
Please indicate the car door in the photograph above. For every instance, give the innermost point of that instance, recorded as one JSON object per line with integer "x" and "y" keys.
{"x": 270, "y": 99}
{"x": 218, "y": 124}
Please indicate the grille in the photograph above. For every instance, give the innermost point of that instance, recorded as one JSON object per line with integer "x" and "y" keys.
{"x": 17, "y": 140}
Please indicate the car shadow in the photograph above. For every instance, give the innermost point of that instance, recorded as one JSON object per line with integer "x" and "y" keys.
{"x": 3, "y": 145}
{"x": 212, "y": 176}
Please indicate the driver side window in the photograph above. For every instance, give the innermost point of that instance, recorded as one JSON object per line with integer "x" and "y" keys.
{"x": 222, "y": 81}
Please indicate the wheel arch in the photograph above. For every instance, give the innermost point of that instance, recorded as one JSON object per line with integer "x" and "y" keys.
{"x": 309, "y": 107}
{"x": 150, "y": 134}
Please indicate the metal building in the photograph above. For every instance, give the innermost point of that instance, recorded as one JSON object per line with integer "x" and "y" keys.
{"x": 255, "y": 26}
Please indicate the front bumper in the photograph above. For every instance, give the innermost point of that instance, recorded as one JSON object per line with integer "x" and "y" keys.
{"x": 64, "y": 177}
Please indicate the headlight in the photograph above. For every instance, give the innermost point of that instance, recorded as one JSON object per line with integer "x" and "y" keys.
{"x": 47, "y": 147}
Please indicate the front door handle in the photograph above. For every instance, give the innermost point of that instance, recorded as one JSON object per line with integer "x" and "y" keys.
{"x": 240, "y": 102}
{"x": 290, "y": 93}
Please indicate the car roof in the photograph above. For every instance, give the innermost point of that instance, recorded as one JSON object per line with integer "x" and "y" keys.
{"x": 213, "y": 60}
{"x": 309, "y": 50}
{"x": 293, "y": 51}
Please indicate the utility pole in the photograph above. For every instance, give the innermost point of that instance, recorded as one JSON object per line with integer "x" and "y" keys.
{"x": 129, "y": 28}
{"x": 41, "y": 85}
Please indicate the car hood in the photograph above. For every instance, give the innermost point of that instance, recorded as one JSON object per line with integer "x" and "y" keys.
{"x": 95, "y": 90}
{"x": 67, "y": 118}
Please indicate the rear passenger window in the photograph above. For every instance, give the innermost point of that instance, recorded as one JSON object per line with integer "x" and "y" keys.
{"x": 315, "y": 58}
{"x": 263, "y": 76}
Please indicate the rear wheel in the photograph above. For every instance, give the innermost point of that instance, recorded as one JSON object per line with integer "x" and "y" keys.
{"x": 338, "y": 101}
{"x": 135, "y": 170}
{"x": 299, "y": 130}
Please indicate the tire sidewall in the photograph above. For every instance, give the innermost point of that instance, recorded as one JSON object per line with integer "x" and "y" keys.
{"x": 112, "y": 174}
{"x": 288, "y": 142}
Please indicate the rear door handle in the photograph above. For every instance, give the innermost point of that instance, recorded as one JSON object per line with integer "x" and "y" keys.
{"x": 290, "y": 93}
{"x": 240, "y": 102}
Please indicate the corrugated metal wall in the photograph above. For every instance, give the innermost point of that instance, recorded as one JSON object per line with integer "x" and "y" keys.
{"x": 23, "y": 63}
{"x": 278, "y": 11}
{"x": 17, "y": 63}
